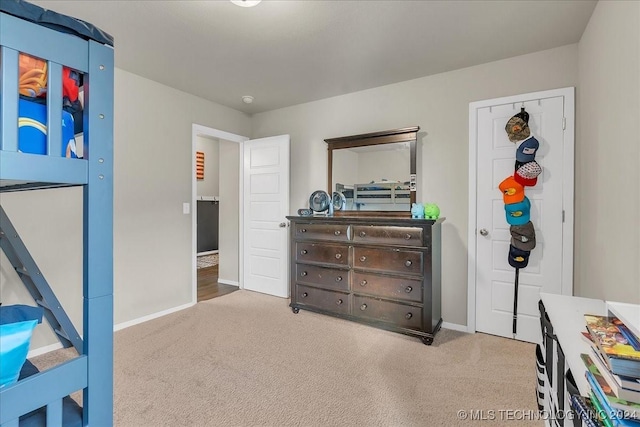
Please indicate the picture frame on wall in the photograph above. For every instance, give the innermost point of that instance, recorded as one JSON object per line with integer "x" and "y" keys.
{"x": 199, "y": 165}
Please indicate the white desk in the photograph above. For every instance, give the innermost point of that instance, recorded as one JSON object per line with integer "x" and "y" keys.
{"x": 566, "y": 314}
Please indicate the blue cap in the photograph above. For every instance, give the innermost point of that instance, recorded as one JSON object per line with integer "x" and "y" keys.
{"x": 517, "y": 257}
{"x": 518, "y": 213}
{"x": 526, "y": 152}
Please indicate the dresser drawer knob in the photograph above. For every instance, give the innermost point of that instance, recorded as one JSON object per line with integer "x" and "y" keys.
{"x": 363, "y": 258}
{"x": 339, "y": 279}
{"x": 303, "y": 273}
{"x": 363, "y": 307}
{"x": 303, "y": 230}
{"x": 363, "y": 283}
{"x": 338, "y": 256}
{"x": 339, "y": 302}
{"x": 304, "y": 295}
{"x": 408, "y": 263}
{"x": 407, "y": 237}
{"x": 303, "y": 252}
{"x": 362, "y": 234}
{"x": 408, "y": 316}
{"x": 337, "y": 232}
{"x": 408, "y": 289}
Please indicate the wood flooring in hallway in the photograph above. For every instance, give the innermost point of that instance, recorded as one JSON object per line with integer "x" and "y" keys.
{"x": 208, "y": 286}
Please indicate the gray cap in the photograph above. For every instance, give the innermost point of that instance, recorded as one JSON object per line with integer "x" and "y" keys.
{"x": 523, "y": 236}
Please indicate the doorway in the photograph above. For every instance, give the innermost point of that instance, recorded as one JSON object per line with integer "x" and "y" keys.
{"x": 491, "y": 280}
{"x": 222, "y": 275}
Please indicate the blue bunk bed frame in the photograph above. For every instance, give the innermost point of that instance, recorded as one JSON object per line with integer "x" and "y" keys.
{"x": 92, "y": 370}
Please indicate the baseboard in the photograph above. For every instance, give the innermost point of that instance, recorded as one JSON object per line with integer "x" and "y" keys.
{"x": 229, "y": 282}
{"x": 143, "y": 319}
{"x": 56, "y": 346}
{"x": 454, "y": 327}
{"x": 42, "y": 350}
{"x": 207, "y": 253}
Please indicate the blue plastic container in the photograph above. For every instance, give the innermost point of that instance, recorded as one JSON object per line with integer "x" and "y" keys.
{"x": 14, "y": 346}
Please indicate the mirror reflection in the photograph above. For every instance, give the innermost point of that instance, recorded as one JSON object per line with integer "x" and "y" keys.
{"x": 374, "y": 177}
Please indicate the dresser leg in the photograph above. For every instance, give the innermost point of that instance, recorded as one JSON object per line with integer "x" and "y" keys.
{"x": 427, "y": 340}
{"x": 295, "y": 310}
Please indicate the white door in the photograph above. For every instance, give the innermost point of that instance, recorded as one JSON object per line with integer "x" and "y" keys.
{"x": 266, "y": 204}
{"x": 550, "y": 263}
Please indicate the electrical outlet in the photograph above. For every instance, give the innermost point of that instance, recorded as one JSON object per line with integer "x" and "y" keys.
{"x": 186, "y": 208}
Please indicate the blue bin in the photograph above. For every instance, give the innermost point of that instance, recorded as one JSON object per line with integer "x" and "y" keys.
{"x": 14, "y": 346}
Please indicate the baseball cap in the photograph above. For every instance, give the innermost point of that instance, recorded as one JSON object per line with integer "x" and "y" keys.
{"x": 518, "y": 213}
{"x": 523, "y": 237}
{"x": 517, "y": 129}
{"x": 526, "y": 152}
{"x": 512, "y": 191}
{"x": 527, "y": 174}
{"x": 517, "y": 257}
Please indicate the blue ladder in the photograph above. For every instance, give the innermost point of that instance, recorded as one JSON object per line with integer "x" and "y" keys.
{"x": 33, "y": 279}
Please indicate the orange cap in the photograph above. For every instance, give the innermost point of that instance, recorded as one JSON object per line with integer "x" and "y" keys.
{"x": 512, "y": 191}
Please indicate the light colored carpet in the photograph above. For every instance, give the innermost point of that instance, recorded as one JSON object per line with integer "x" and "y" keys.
{"x": 244, "y": 359}
{"x": 205, "y": 261}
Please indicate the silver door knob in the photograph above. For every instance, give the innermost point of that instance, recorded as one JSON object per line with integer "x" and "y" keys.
{"x": 483, "y": 232}
{"x": 283, "y": 225}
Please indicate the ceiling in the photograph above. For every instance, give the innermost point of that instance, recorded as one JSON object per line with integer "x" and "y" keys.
{"x": 285, "y": 53}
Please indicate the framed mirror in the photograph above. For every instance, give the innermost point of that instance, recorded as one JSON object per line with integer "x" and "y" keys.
{"x": 376, "y": 172}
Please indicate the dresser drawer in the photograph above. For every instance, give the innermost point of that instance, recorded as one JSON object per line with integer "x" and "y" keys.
{"x": 387, "y": 287}
{"x": 329, "y": 232}
{"x": 392, "y": 260}
{"x": 322, "y": 253}
{"x": 405, "y": 316}
{"x": 388, "y": 235}
{"x": 335, "y": 302}
{"x": 322, "y": 276}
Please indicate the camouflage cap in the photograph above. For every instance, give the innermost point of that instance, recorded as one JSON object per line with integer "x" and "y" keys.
{"x": 517, "y": 129}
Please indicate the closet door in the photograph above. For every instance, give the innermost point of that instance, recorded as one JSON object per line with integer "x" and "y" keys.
{"x": 550, "y": 263}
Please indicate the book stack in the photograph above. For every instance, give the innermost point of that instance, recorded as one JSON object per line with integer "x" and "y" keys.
{"x": 613, "y": 373}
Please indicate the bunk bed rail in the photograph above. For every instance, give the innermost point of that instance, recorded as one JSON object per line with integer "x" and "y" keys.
{"x": 59, "y": 50}
{"x": 42, "y": 389}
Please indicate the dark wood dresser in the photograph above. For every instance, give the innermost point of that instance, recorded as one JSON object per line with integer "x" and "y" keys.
{"x": 384, "y": 272}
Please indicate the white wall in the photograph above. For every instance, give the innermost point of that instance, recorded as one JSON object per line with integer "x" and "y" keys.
{"x": 49, "y": 223}
{"x": 152, "y": 179}
{"x": 210, "y": 185}
{"x": 345, "y": 168}
{"x": 228, "y": 270}
{"x": 607, "y": 230}
{"x": 389, "y": 165}
{"x": 152, "y": 236}
{"x": 439, "y": 104}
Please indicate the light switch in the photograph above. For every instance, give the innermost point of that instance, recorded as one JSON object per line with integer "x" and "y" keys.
{"x": 186, "y": 208}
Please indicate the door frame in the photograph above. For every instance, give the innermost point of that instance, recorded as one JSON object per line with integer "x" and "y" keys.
{"x": 567, "y": 189}
{"x": 200, "y": 130}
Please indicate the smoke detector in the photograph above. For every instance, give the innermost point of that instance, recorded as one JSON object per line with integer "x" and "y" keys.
{"x": 246, "y": 3}
{"x": 247, "y": 99}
